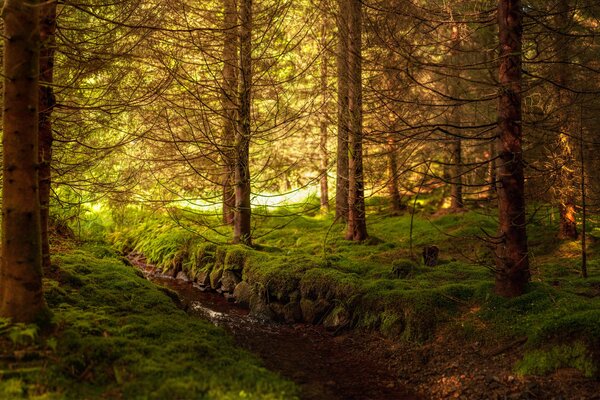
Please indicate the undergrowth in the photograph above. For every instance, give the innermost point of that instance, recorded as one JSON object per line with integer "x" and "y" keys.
{"x": 384, "y": 285}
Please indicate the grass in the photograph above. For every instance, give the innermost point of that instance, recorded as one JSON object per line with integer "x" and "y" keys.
{"x": 383, "y": 285}
{"x": 119, "y": 336}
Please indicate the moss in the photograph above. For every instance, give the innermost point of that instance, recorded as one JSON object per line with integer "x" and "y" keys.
{"x": 119, "y": 336}
{"x": 235, "y": 259}
{"x": 543, "y": 361}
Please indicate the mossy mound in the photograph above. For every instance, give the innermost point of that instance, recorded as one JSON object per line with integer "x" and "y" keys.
{"x": 119, "y": 336}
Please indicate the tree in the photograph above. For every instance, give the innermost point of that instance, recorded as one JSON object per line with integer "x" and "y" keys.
{"x": 512, "y": 262}
{"x": 229, "y": 99}
{"x": 47, "y": 101}
{"x": 243, "y": 212}
{"x": 21, "y": 295}
{"x": 357, "y": 224}
{"x": 341, "y": 185}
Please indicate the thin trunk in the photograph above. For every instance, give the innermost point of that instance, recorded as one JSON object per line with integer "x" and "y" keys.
{"x": 392, "y": 157}
{"x": 243, "y": 213}
{"x": 324, "y": 123}
{"x": 21, "y": 296}
{"x": 456, "y": 186}
{"x": 565, "y": 190}
{"x": 584, "y": 271}
{"x": 492, "y": 176}
{"x": 512, "y": 262}
{"x": 228, "y": 102}
{"x": 341, "y": 194}
{"x": 357, "y": 225}
{"x": 47, "y": 102}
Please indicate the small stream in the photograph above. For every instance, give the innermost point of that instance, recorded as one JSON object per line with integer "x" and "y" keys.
{"x": 325, "y": 366}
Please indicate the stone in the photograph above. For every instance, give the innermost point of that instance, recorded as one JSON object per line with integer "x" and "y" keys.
{"x": 242, "y": 293}
{"x": 337, "y": 319}
{"x": 430, "y": 255}
{"x": 203, "y": 278}
{"x": 215, "y": 278}
{"x": 229, "y": 281}
{"x": 287, "y": 313}
{"x": 260, "y": 310}
{"x": 182, "y": 276}
{"x": 313, "y": 311}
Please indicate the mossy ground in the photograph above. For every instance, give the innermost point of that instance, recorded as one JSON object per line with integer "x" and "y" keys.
{"x": 385, "y": 286}
{"x": 119, "y": 336}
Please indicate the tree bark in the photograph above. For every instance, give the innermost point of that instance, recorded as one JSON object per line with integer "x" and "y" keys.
{"x": 565, "y": 189}
{"x": 47, "y": 101}
{"x": 341, "y": 194}
{"x": 357, "y": 225}
{"x": 324, "y": 125}
{"x": 392, "y": 184}
{"x": 21, "y": 296}
{"x": 512, "y": 262}
{"x": 228, "y": 102}
{"x": 243, "y": 213}
{"x": 456, "y": 186}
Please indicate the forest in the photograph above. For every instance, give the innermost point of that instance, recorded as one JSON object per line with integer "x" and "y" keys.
{"x": 300, "y": 199}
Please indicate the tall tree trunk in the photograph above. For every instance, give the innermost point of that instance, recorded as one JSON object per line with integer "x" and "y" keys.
{"x": 324, "y": 124}
{"x": 357, "y": 225}
{"x": 565, "y": 190}
{"x": 341, "y": 194}
{"x": 228, "y": 102}
{"x": 456, "y": 186}
{"x": 243, "y": 213}
{"x": 512, "y": 262}
{"x": 21, "y": 296}
{"x": 47, "y": 102}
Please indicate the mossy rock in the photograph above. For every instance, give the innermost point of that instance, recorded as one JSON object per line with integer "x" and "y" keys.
{"x": 286, "y": 313}
{"x": 215, "y": 278}
{"x": 313, "y": 311}
{"x": 235, "y": 259}
{"x": 229, "y": 281}
{"x": 337, "y": 319}
{"x": 242, "y": 293}
{"x": 220, "y": 255}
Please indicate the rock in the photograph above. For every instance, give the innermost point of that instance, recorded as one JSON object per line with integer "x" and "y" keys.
{"x": 430, "y": 255}
{"x": 313, "y": 311}
{"x": 203, "y": 278}
{"x": 260, "y": 310}
{"x": 182, "y": 276}
{"x": 215, "y": 278}
{"x": 229, "y": 281}
{"x": 337, "y": 319}
{"x": 288, "y": 313}
{"x": 242, "y": 293}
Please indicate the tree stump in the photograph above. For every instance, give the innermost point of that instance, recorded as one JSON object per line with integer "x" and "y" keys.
{"x": 430, "y": 255}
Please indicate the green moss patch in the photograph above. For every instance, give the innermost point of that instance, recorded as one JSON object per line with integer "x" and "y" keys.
{"x": 119, "y": 336}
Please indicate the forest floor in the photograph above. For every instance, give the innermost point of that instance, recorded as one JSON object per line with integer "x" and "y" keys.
{"x": 356, "y": 365}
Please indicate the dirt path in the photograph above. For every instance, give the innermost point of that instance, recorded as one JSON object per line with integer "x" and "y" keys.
{"x": 323, "y": 365}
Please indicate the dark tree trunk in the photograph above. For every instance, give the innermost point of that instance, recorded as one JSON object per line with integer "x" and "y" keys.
{"x": 324, "y": 125}
{"x": 228, "y": 102}
{"x": 341, "y": 194}
{"x": 47, "y": 102}
{"x": 21, "y": 296}
{"x": 456, "y": 187}
{"x": 357, "y": 225}
{"x": 512, "y": 262}
{"x": 242, "y": 217}
{"x": 565, "y": 190}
